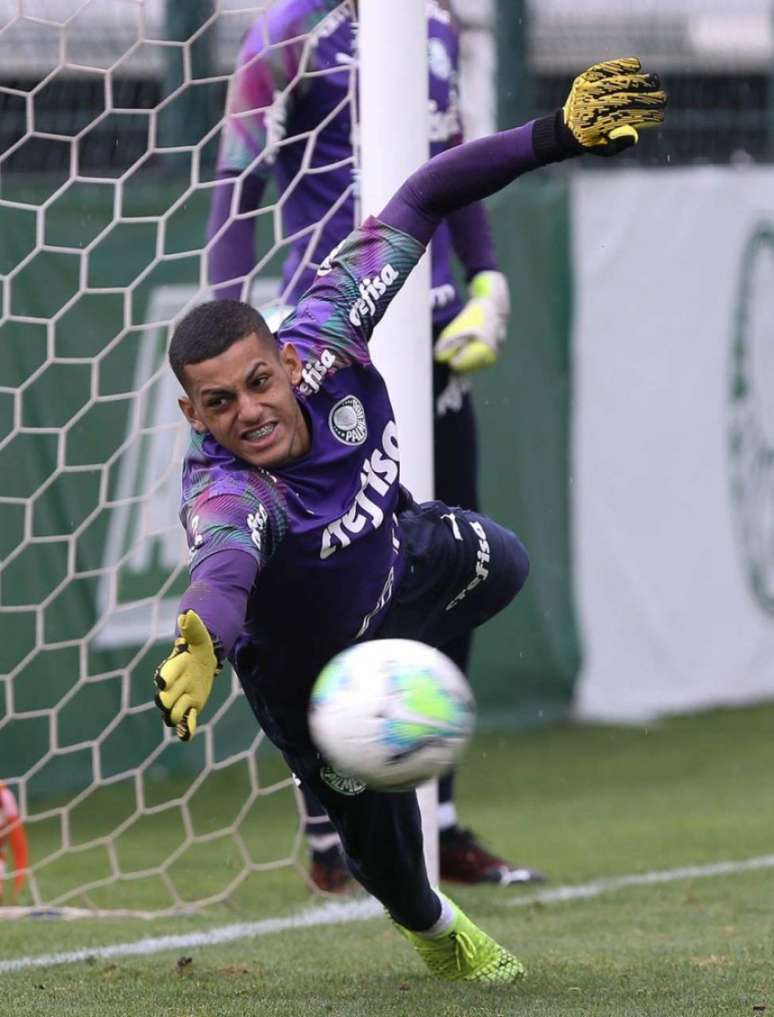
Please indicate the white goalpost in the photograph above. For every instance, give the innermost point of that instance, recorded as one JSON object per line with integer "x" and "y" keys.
{"x": 394, "y": 133}
{"x": 102, "y": 214}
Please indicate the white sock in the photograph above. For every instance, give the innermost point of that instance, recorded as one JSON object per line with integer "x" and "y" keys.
{"x": 447, "y": 816}
{"x": 444, "y": 922}
{"x": 322, "y": 841}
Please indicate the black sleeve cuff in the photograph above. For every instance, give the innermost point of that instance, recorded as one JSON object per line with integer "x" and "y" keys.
{"x": 553, "y": 140}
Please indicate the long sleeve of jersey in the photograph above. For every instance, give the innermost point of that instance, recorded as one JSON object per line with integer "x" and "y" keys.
{"x": 231, "y": 254}
{"x": 472, "y": 239}
{"x": 467, "y": 173}
{"x": 254, "y": 125}
{"x": 235, "y": 519}
{"x": 219, "y": 591}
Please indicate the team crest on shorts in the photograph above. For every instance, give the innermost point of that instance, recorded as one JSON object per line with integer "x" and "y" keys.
{"x": 341, "y": 782}
{"x": 347, "y": 421}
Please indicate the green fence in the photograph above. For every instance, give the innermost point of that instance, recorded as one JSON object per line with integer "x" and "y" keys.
{"x": 526, "y": 659}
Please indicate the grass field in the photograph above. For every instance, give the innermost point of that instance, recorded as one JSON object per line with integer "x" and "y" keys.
{"x": 583, "y": 804}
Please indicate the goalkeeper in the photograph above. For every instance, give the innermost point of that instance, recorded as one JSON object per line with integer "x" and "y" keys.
{"x": 279, "y": 90}
{"x": 302, "y": 539}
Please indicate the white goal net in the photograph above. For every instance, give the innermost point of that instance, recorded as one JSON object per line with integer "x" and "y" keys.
{"x": 110, "y": 118}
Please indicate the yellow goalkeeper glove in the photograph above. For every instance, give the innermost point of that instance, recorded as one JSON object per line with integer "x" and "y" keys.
{"x": 473, "y": 339}
{"x": 184, "y": 680}
{"x": 610, "y": 102}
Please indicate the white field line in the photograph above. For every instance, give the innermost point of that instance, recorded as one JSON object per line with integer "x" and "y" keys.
{"x": 333, "y": 913}
{"x": 337, "y": 913}
{"x": 600, "y": 886}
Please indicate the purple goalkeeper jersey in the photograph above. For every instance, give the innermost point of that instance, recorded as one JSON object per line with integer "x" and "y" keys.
{"x": 295, "y": 72}
{"x": 323, "y": 528}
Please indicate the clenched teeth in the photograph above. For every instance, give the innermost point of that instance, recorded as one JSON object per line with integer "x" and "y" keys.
{"x": 260, "y": 432}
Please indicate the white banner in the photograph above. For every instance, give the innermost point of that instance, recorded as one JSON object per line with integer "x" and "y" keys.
{"x": 673, "y": 457}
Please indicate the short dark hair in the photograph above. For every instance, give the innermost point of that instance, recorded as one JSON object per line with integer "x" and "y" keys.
{"x": 209, "y": 329}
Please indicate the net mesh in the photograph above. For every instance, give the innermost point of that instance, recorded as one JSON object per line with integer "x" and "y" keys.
{"x": 109, "y": 128}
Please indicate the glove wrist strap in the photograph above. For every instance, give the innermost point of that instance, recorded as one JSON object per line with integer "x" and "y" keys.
{"x": 553, "y": 140}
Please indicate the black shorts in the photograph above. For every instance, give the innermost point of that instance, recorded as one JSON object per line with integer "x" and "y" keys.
{"x": 461, "y": 569}
{"x": 455, "y": 440}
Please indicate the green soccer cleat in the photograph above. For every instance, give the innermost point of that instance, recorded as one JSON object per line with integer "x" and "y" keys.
{"x": 465, "y": 953}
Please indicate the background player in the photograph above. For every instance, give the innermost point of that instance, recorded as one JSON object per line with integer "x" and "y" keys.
{"x": 288, "y": 502}
{"x": 273, "y": 98}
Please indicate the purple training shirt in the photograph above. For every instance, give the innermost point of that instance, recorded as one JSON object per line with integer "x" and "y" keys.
{"x": 307, "y": 556}
{"x": 322, "y": 530}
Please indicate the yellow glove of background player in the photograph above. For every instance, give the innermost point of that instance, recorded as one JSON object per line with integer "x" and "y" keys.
{"x": 184, "y": 679}
{"x": 473, "y": 339}
{"x": 609, "y": 102}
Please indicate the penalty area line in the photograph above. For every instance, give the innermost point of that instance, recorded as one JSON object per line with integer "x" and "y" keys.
{"x": 336, "y": 913}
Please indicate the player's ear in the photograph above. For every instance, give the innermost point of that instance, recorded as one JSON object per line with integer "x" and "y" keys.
{"x": 291, "y": 362}
{"x": 188, "y": 410}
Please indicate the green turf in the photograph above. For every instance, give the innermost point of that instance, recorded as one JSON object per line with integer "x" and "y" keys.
{"x": 582, "y": 803}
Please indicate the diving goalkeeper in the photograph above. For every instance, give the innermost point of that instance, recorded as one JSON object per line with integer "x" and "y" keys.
{"x": 290, "y": 108}
{"x": 302, "y": 539}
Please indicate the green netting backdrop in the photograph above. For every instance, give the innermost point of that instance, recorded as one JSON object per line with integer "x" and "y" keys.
{"x": 525, "y": 661}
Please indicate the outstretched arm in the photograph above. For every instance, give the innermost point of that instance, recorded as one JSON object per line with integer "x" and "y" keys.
{"x": 357, "y": 281}
{"x": 211, "y": 616}
{"x": 606, "y": 106}
{"x": 598, "y": 101}
{"x": 453, "y": 179}
{"x": 234, "y": 527}
{"x": 219, "y": 590}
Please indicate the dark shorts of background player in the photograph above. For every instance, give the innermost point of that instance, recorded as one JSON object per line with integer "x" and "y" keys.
{"x": 455, "y": 441}
{"x": 455, "y": 469}
{"x": 461, "y": 569}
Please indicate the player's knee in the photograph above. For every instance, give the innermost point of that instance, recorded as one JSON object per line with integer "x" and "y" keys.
{"x": 507, "y": 572}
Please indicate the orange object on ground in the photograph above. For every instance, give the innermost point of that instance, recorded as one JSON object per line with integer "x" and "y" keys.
{"x": 12, "y": 833}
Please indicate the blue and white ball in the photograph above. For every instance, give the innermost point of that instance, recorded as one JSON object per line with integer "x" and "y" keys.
{"x": 392, "y": 713}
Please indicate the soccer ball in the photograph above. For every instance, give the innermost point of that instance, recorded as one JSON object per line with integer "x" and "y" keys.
{"x": 391, "y": 713}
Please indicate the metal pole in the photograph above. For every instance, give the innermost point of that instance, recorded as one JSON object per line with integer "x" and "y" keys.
{"x": 394, "y": 139}
{"x": 515, "y": 83}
